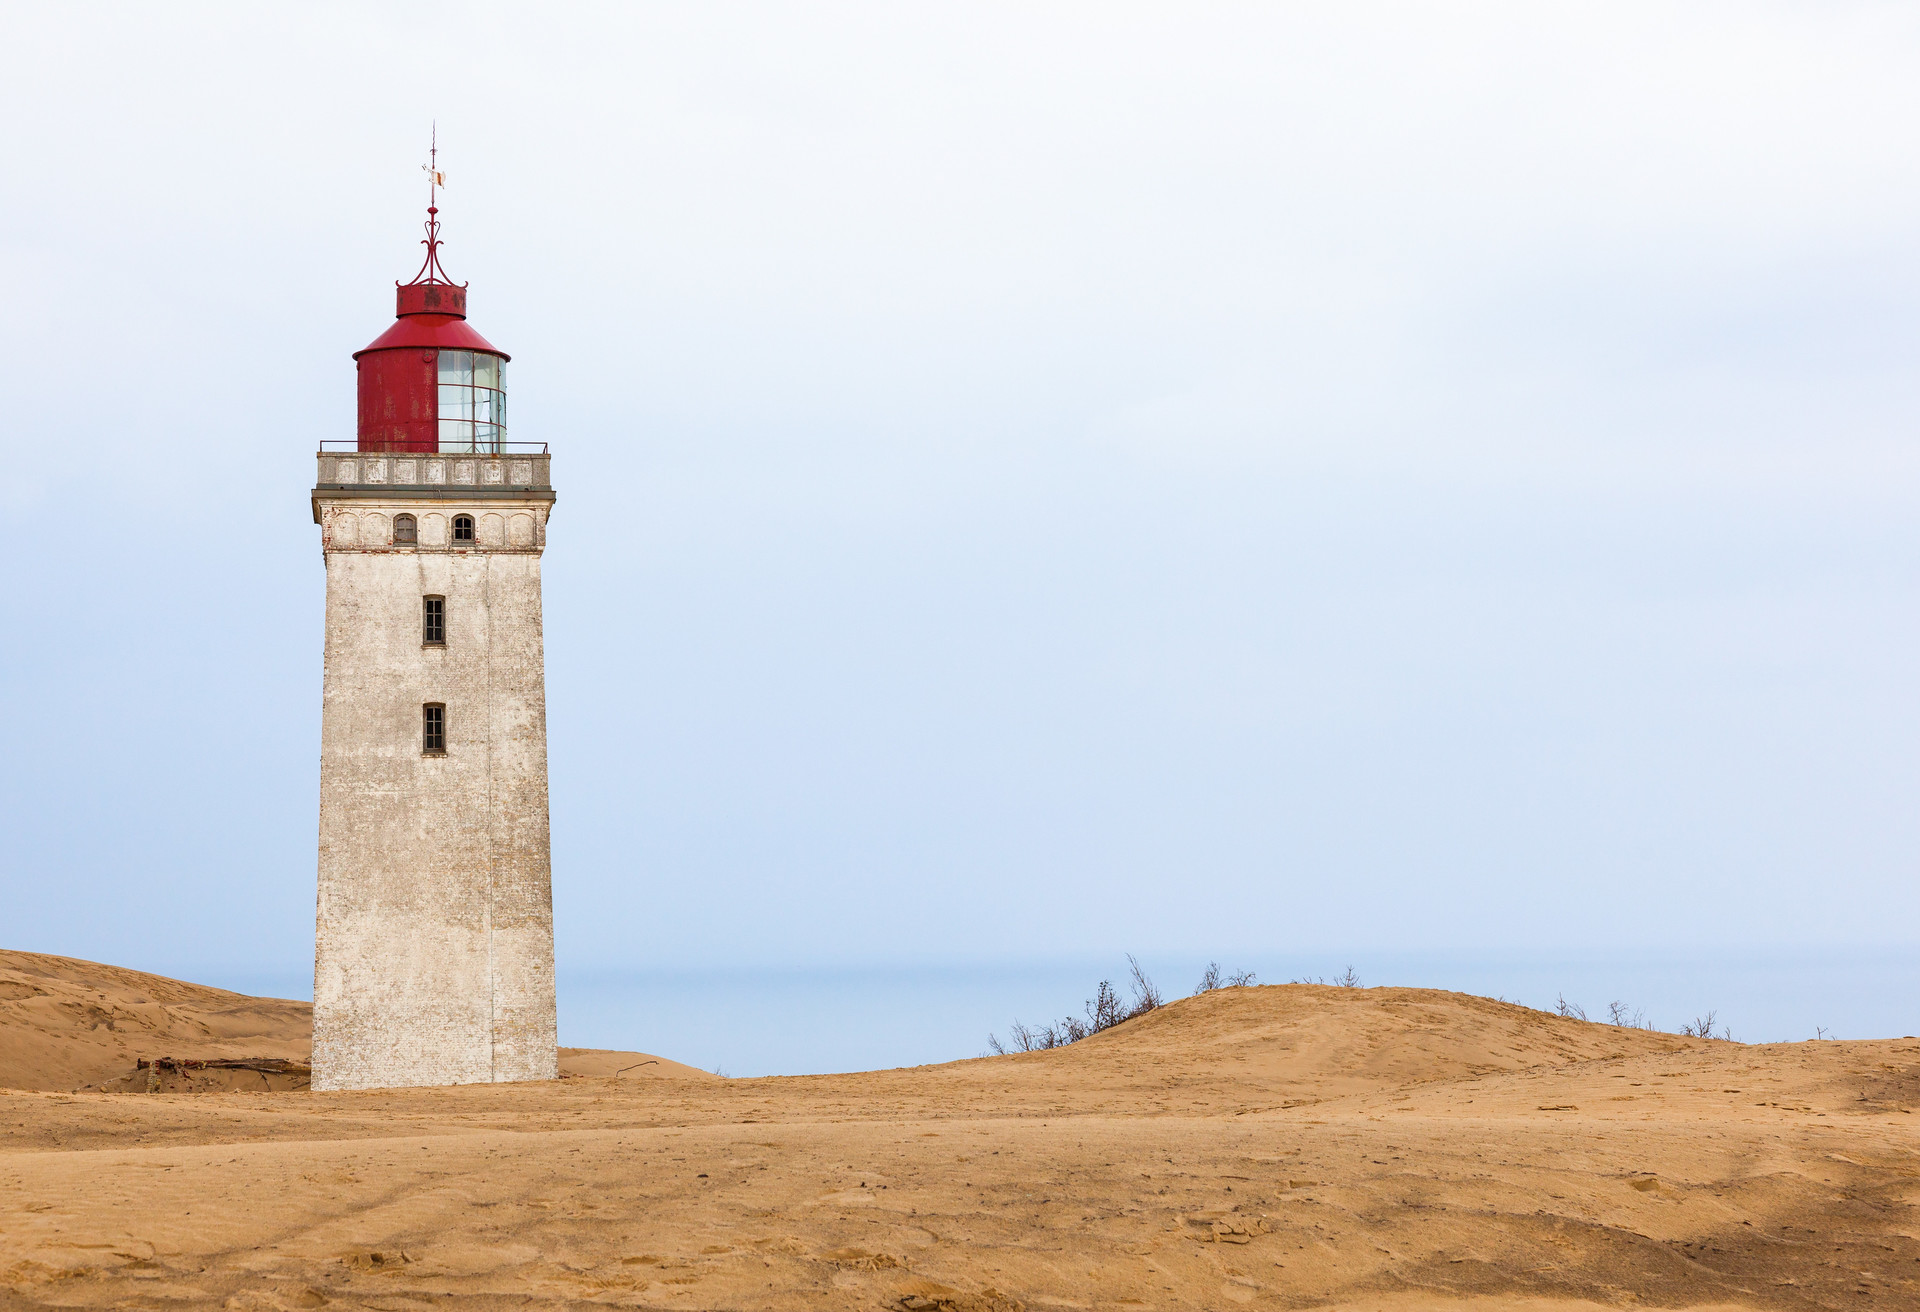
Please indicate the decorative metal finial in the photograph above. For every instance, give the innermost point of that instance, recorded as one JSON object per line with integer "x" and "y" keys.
{"x": 430, "y": 270}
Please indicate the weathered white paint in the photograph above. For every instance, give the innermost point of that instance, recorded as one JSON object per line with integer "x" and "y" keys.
{"x": 433, "y": 960}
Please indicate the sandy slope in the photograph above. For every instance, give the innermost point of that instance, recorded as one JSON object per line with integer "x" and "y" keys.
{"x": 1272, "y": 1147}
{"x": 67, "y": 1023}
{"x": 71, "y": 1025}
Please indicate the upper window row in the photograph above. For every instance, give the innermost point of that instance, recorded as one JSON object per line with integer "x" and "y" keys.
{"x": 406, "y": 529}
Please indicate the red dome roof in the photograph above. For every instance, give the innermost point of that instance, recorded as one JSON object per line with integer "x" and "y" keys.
{"x": 433, "y": 332}
{"x": 433, "y": 316}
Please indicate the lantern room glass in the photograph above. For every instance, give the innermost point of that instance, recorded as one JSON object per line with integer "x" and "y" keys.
{"x": 473, "y": 401}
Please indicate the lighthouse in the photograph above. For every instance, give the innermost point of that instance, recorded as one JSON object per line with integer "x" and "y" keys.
{"x": 433, "y": 954}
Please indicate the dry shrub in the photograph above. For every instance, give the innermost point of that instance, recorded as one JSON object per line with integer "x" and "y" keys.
{"x": 1701, "y": 1027}
{"x": 1571, "y": 1010}
{"x": 1626, "y": 1017}
{"x": 1214, "y": 979}
{"x": 1104, "y": 1011}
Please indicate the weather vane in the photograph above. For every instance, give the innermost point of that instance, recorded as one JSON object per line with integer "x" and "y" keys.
{"x": 430, "y": 270}
{"x": 435, "y": 178}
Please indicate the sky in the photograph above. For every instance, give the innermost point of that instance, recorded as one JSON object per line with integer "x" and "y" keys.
{"x": 1036, "y": 482}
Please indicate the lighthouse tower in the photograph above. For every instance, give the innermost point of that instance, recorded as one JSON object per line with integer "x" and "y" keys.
{"x": 433, "y": 961}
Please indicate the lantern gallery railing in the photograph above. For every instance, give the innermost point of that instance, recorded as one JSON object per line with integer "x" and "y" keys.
{"x": 499, "y": 448}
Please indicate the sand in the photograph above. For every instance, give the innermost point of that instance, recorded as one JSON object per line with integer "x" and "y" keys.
{"x": 1294, "y": 1146}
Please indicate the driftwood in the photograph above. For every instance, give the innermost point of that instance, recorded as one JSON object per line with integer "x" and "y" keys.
{"x": 269, "y": 1065}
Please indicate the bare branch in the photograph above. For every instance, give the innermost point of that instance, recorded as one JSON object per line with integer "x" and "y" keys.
{"x": 1145, "y": 996}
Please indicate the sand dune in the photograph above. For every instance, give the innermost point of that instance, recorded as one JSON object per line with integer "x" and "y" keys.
{"x": 1261, "y": 1147}
{"x": 66, "y": 1024}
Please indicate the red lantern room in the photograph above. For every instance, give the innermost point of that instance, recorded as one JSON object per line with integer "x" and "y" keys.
{"x": 430, "y": 382}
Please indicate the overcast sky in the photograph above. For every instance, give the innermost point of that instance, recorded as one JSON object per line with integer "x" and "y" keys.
{"x": 1033, "y": 480}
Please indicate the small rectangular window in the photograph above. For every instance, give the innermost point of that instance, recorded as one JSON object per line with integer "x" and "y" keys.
{"x": 433, "y": 729}
{"x": 433, "y": 621}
